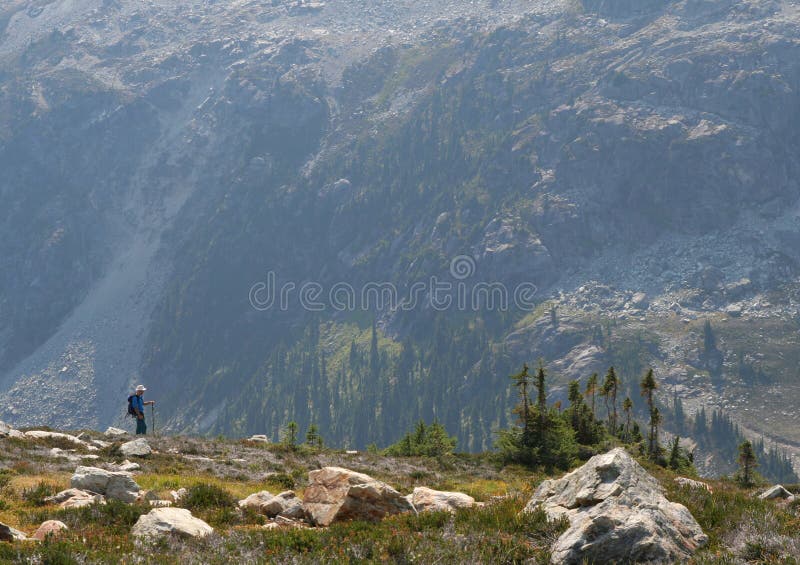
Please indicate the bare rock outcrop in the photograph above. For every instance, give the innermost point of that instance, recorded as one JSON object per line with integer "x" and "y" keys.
{"x": 336, "y": 495}
{"x": 617, "y": 513}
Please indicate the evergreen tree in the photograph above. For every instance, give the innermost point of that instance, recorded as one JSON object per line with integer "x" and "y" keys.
{"x": 675, "y": 454}
{"x": 290, "y": 434}
{"x": 648, "y": 387}
{"x": 313, "y": 437}
{"x": 627, "y": 407}
{"x": 523, "y": 409}
{"x": 609, "y": 391}
{"x": 591, "y": 390}
{"x": 747, "y": 464}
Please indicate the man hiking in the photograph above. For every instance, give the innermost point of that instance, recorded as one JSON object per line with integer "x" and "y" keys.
{"x": 137, "y": 404}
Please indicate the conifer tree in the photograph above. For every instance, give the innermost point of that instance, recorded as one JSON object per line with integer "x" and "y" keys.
{"x": 609, "y": 391}
{"x": 627, "y": 406}
{"x": 648, "y": 387}
{"x": 591, "y": 390}
{"x": 747, "y": 464}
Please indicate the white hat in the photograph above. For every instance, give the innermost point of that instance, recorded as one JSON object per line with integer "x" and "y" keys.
{"x": 140, "y": 388}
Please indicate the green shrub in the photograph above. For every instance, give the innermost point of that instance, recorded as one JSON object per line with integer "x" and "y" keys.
{"x": 283, "y": 480}
{"x": 37, "y": 494}
{"x": 203, "y": 496}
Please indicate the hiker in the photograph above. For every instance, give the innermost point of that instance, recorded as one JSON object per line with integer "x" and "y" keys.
{"x": 137, "y": 404}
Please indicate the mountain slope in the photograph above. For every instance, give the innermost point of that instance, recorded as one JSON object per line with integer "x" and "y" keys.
{"x": 595, "y": 150}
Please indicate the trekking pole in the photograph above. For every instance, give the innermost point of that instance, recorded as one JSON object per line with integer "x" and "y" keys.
{"x": 153, "y": 417}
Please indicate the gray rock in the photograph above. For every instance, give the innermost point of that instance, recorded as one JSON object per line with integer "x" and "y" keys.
{"x": 75, "y": 498}
{"x": 426, "y": 499}
{"x": 617, "y": 513}
{"x": 115, "y": 432}
{"x": 776, "y": 492}
{"x": 7, "y": 533}
{"x": 335, "y": 494}
{"x": 136, "y": 448}
{"x": 161, "y": 522}
{"x": 117, "y": 485}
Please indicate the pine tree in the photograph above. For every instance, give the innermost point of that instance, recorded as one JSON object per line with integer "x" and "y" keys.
{"x": 609, "y": 391}
{"x": 313, "y": 437}
{"x": 675, "y": 454}
{"x": 591, "y": 390}
{"x": 627, "y": 406}
{"x": 290, "y": 434}
{"x": 522, "y": 382}
{"x": 648, "y": 387}
{"x": 747, "y": 464}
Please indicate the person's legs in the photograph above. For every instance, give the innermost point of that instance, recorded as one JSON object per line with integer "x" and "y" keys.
{"x": 141, "y": 427}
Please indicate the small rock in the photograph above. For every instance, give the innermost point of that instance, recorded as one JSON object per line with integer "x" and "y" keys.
{"x": 776, "y": 492}
{"x": 129, "y": 466}
{"x": 161, "y": 522}
{"x": 425, "y": 499}
{"x": 259, "y": 438}
{"x": 7, "y": 533}
{"x": 115, "y": 432}
{"x": 160, "y": 503}
{"x": 100, "y": 443}
{"x": 51, "y": 528}
{"x": 136, "y": 448}
{"x": 177, "y": 495}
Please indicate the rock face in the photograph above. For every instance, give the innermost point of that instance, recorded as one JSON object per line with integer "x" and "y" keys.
{"x": 49, "y": 528}
{"x": 426, "y": 499}
{"x": 136, "y": 448}
{"x": 779, "y": 492}
{"x": 617, "y": 513}
{"x": 166, "y": 521}
{"x": 118, "y": 485}
{"x": 336, "y": 494}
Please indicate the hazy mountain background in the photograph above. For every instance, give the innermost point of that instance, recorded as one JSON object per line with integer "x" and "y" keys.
{"x": 636, "y": 160}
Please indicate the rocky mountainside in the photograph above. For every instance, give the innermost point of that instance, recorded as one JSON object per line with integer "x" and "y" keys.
{"x": 636, "y": 162}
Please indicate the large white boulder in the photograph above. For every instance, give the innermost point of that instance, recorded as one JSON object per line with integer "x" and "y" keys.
{"x": 617, "y": 513}
{"x": 136, "y": 448}
{"x": 426, "y": 499}
{"x": 117, "y": 485}
{"x": 335, "y": 494}
{"x": 161, "y": 522}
